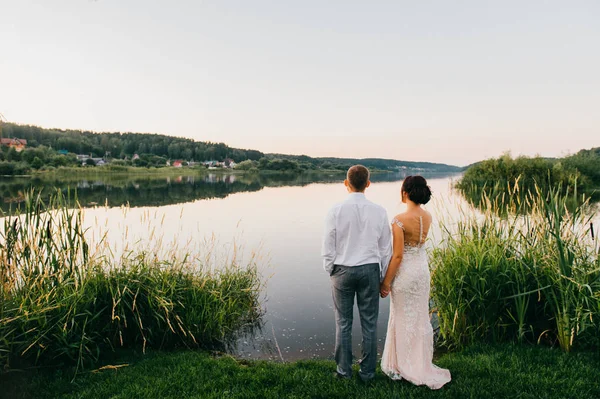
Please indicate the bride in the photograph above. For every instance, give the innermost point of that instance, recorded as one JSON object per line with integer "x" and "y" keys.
{"x": 408, "y": 350}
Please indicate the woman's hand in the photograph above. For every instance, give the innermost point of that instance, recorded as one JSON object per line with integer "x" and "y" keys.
{"x": 384, "y": 289}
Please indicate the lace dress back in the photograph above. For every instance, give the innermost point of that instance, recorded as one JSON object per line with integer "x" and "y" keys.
{"x": 408, "y": 350}
{"x": 414, "y": 244}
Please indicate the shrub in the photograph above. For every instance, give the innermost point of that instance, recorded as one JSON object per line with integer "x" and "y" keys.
{"x": 37, "y": 163}
{"x": 246, "y": 165}
{"x": 7, "y": 168}
{"x": 13, "y": 168}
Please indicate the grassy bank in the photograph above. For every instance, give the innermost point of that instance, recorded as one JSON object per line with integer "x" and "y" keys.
{"x": 506, "y": 371}
{"x": 62, "y": 302}
{"x": 134, "y": 171}
{"x": 118, "y": 170}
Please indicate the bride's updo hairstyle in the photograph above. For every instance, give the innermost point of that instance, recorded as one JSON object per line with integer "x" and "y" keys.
{"x": 417, "y": 189}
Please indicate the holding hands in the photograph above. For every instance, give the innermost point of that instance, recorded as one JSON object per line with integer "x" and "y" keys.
{"x": 384, "y": 289}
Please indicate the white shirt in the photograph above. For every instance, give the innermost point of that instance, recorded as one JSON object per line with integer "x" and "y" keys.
{"x": 357, "y": 232}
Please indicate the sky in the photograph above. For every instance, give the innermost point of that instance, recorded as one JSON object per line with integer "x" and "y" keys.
{"x": 441, "y": 81}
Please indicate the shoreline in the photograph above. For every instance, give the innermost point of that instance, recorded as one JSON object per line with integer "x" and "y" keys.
{"x": 191, "y": 171}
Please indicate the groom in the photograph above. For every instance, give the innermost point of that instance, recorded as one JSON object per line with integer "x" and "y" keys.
{"x": 356, "y": 250}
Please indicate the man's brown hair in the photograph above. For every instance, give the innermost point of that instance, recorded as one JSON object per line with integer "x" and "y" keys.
{"x": 358, "y": 177}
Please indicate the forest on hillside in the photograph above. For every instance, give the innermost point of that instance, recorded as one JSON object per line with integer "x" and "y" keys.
{"x": 52, "y": 148}
{"x": 125, "y": 145}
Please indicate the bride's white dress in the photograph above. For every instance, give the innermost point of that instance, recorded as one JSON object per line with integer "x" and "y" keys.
{"x": 408, "y": 350}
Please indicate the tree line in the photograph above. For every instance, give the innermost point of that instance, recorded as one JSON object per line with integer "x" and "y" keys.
{"x": 575, "y": 173}
{"x": 52, "y": 148}
{"x": 125, "y": 145}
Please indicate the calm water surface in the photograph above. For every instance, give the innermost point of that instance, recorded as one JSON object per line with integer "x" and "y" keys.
{"x": 281, "y": 218}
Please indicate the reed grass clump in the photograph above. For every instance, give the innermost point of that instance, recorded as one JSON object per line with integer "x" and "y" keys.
{"x": 520, "y": 277}
{"x": 62, "y": 302}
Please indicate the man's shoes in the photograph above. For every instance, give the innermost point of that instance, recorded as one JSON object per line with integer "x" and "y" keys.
{"x": 339, "y": 376}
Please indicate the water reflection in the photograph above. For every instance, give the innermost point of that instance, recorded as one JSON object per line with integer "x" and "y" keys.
{"x": 114, "y": 191}
{"x": 134, "y": 192}
{"x": 505, "y": 201}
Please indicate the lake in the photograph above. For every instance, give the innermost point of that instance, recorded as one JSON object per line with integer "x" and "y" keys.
{"x": 278, "y": 217}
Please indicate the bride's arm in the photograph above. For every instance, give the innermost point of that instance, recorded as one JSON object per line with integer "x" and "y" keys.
{"x": 398, "y": 239}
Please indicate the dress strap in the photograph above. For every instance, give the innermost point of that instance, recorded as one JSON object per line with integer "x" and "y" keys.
{"x": 420, "y": 230}
{"x": 398, "y": 223}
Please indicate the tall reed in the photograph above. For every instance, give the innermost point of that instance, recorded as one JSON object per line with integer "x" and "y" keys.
{"x": 519, "y": 277}
{"x": 61, "y": 301}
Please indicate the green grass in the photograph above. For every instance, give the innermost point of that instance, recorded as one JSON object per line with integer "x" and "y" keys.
{"x": 120, "y": 170}
{"x": 506, "y": 371}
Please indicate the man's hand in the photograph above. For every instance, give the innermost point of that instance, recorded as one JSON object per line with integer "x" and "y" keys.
{"x": 384, "y": 289}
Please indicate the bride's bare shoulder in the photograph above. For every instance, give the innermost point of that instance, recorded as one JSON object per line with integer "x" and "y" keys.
{"x": 399, "y": 220}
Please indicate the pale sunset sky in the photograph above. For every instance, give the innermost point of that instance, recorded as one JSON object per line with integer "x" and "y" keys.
{"x": 442, "y": 81}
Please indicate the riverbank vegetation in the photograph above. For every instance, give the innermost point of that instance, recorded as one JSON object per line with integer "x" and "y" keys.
{"x": 119, "y": 169}
{"x": 533, "y": 277}
{"x": 481, "y": 371}
{"x": 507, "y": 178}
{"x": 65, "y": 303}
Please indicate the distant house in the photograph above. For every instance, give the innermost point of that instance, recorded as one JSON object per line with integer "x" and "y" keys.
{"x": 229, "y": 163}
{"x": 210, "y": 164}
{"x": 135, "y": 156}
{"x": 63, "y": 152}
{"x": 178, "y": 164}
{"x": 83, "y": 158}
{"x": 18, "y": 144}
